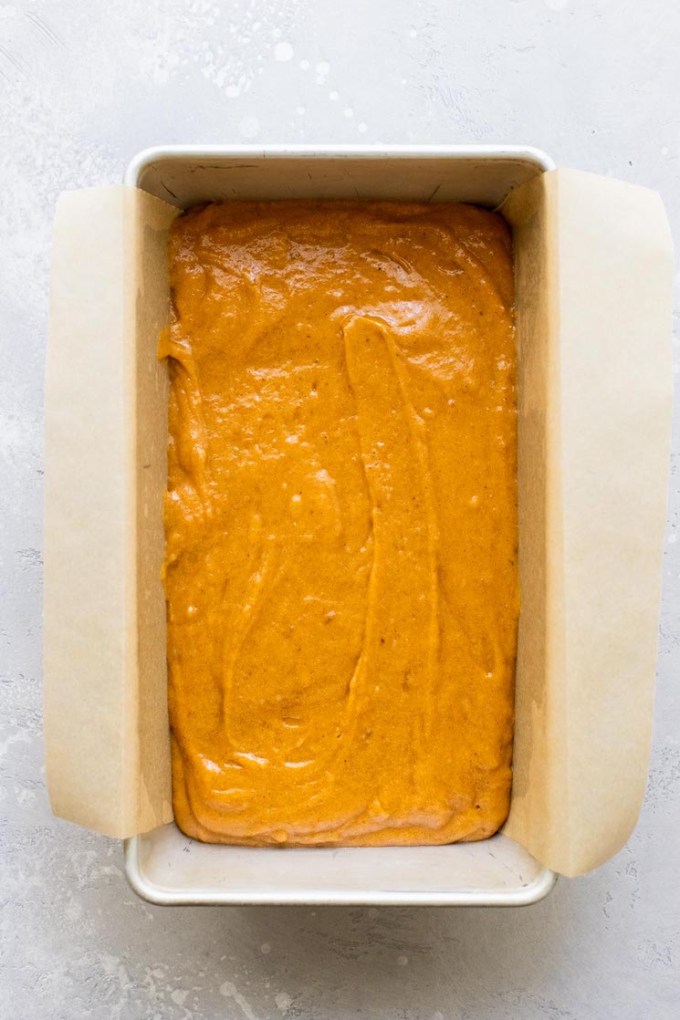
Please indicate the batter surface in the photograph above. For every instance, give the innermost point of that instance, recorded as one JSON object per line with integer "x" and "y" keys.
{"x": 341, "y": 522}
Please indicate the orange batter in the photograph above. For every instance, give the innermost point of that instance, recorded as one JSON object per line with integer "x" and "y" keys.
{"x": 341, "y": 522}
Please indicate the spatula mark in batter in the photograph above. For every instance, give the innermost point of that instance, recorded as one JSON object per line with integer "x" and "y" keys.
{"x": 263, "y": 575}
{"x": 186, "y": 391}
{"x": 395, "y": 460}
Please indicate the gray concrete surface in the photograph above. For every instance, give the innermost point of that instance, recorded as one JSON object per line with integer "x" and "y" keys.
{"x": 84, "y": 85}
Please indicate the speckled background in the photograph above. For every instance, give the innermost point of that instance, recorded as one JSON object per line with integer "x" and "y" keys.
{"x": 85, "y": 85}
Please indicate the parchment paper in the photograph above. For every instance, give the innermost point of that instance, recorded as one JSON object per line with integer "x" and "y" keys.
{"x": 105, "y": 697}
{"x": 594, "y": 274}
{"x": 593, "y": 266}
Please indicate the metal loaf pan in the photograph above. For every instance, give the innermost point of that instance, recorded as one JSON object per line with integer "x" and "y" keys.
{"x": 162, "y": 865}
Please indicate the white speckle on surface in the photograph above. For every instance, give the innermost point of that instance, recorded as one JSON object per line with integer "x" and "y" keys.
{"x": 300, "y": 110}
{"x": 333, "y": 96}
{"x": 74, "y": 910}
{"x": 283, "y": 1001}
{"x": 362, "y": 127}
{"x": 304, "y": 65}
{"x": 323, "y": 68}
{"x": 265, "y": 949}
{"x": 21, "y": 737}
{"x": 179, "y": 996}
{"x": 229, "y": 990}
{"x": 348, "y": 112}
{"x": 655, "y": 956}
{"x": 24, "y": 795}
{"x": 283, "y": 51}
{"x": 672, "y": 538}
{"x": 402, "y": 960}
{"x": 249, "y": 127}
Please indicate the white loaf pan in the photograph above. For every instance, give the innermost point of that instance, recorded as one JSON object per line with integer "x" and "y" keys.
{"x": 583, "y": 731}
{"x": 164, "y": 866}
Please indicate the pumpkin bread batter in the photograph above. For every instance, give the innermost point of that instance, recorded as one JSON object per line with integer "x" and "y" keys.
{"x": 341, "y": 522}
